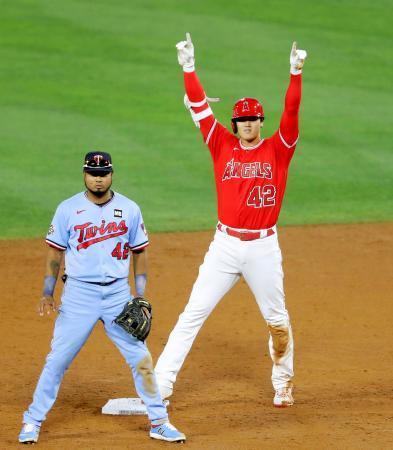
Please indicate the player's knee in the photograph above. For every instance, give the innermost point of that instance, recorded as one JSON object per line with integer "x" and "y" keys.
{"x": 280, "y": 338}
{"x": 145, "y": 369}
{"x": 145, "y": 365}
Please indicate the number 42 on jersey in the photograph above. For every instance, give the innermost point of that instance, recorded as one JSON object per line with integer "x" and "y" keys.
{"x": 262, "y": 196}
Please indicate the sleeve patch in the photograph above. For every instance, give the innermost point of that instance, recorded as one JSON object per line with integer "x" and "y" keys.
{"x": 144, "y": 228}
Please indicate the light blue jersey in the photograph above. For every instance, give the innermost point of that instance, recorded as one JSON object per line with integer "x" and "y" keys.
{"x": 97, "y": 239}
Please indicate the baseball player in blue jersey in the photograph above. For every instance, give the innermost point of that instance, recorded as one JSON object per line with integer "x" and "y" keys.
{"x": 97, "y": 230}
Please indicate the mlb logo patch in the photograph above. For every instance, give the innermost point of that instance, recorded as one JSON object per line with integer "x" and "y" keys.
{"x": 118, "y": 213}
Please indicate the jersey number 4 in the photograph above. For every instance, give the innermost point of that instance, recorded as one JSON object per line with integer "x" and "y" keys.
{"x": 261, "y": 196}
{"x": 120, "y": 253}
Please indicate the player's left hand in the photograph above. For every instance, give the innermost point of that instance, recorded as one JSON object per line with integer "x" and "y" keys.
{"x": 185, "y": 53}
{"x": 46, "y": 305}
{"x": 296, "y": 59}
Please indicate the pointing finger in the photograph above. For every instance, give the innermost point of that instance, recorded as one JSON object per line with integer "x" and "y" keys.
{"x": 188, "y": 37}
{"x": 294, "y": 45}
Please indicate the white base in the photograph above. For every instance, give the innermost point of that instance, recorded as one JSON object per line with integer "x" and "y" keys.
{"x": 126, "y": 407}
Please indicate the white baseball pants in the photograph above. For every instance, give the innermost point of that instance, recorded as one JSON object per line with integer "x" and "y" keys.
{"x": 260, "y": 263}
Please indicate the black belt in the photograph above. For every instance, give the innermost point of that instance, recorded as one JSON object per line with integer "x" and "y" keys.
{"x": 98, "y": 283}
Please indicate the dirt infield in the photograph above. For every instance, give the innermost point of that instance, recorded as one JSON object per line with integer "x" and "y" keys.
{"x": 338, "y": 287}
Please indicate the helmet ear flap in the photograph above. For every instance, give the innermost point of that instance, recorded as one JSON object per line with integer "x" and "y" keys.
{"x": 234, "y": 126}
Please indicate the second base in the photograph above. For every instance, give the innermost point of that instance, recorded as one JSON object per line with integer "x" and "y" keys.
{"x": 126, "y": 407}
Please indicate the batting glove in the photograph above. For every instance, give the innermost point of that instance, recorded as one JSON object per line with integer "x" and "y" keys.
{"x": 185, "y": 54}
{"x": 296, "y": 59}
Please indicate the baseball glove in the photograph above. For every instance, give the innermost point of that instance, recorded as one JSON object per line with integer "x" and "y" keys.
{"x": 136, "y": 318}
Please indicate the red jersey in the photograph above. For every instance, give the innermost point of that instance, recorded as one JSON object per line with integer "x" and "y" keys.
{"x": 250, "y": 181}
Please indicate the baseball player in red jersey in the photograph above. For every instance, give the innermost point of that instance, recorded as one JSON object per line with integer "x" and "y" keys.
{"x": 250, "y": 174}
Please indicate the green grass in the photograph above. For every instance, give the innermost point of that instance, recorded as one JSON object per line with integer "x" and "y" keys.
{"x": 81, "y": 75}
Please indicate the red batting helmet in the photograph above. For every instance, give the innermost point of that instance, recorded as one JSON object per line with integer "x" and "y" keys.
{"x": 246, "y": 107}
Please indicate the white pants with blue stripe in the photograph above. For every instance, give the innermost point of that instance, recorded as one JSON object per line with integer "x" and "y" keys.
{"x": 83, "y": 304}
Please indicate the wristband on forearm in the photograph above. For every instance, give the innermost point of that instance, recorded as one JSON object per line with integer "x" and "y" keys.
{"x": 189, "y": 68}
{"x": 140, "y": 283}
{"x": 295, "y": 71}
{"x": 49, "y": 285}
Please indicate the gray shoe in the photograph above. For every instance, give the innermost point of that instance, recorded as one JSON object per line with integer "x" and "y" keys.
{"x": 29, "y": 433}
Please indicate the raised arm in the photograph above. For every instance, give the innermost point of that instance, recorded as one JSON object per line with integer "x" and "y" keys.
{"x": 195, "y": 99}
{"x": 289, "y": 125}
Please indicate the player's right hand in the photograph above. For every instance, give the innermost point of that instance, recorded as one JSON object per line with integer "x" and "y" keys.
{"x": 185, "y": 53}
{"x": 46, "y": 305}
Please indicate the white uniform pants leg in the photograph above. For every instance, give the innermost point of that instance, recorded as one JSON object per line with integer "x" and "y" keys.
{"x": 218, "y": 273}
{"x": 264, "y": 275}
